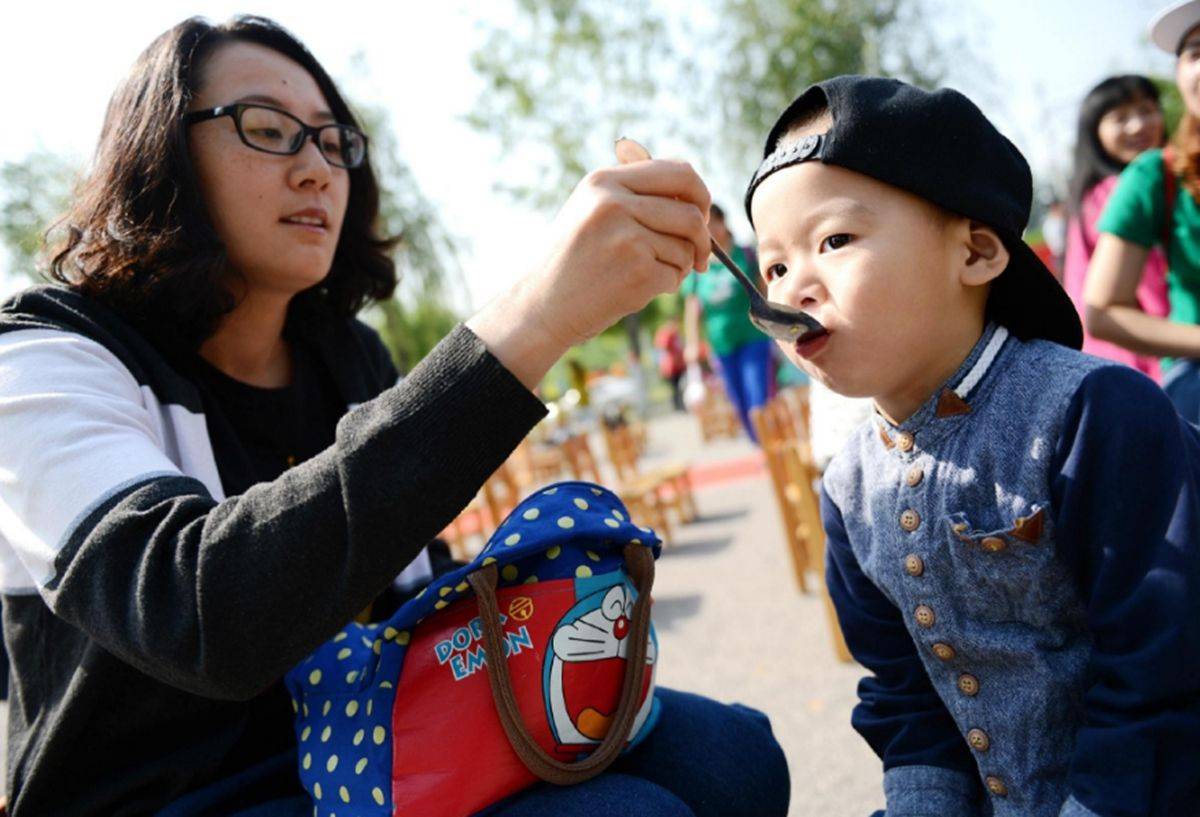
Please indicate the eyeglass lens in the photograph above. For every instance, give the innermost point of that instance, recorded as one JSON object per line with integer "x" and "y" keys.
{"x": 277, "y": 132}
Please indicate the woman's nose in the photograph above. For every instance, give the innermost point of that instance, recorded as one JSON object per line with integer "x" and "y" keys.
{"x": 311, "y": 167}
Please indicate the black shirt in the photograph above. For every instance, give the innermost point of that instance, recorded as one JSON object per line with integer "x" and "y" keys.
{"x": 257, "y": 434}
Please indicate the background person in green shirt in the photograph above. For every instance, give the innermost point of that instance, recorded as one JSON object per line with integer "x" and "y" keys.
{"x": 1155, "y": 204}
{"x": 743, "y": 353}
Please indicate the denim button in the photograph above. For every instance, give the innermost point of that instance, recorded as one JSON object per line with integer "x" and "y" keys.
{"x": 978, "y": 740}
{"x": 943, "y": 651}
{"x": 910, "y": 520}
{"x": 904, "y": 441}
{"x": 913, "y": 478}
{"x": 924, "y": 616}
{"x": 996, "y": 786}
{"x": 914, "y": 565}
{"x": 968, "y": 685}
{"x": 993, "y": 544}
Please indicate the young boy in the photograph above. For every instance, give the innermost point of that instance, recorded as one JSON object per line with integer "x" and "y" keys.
{"x": 1014, "y": 538}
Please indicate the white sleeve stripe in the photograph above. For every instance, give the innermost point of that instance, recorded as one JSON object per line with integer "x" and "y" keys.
{"x": 77, "y": 429}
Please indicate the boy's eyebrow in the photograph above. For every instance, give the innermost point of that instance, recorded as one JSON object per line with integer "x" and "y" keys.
{"x": 839, "y": 207}
{"x": 768, "y": 245}
{"x": 835, "y": 208}
{"x": 843, "y": 207}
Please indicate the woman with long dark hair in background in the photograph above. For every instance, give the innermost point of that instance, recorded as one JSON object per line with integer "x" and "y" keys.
{"x": 1119, "y": 119}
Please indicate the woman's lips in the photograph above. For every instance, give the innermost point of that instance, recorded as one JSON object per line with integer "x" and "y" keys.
{"x": 311, "y": 228}
{"x": 807, "y": 349}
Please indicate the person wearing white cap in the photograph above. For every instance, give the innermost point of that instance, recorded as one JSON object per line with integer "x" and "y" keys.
{"x": 1155, "y": 205}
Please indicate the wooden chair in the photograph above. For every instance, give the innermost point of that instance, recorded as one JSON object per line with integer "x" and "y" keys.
{"x": 670, "y": 483}
{"x": 501, "y": 494}
{"x": 641, "y": 500}
{"x": 716, "y": 414}
{"x": 796, "y": 399}
{"x": 772, "y": 437}
{"x": 645, "y": 508}
{"x": 536, "y": 463}
{"x": 459, "y": 532}
{"x": 794, "y": 478}
{"x": 577, "y": 454}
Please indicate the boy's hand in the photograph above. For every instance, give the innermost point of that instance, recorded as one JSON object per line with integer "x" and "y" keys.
{"x": 625, "y": 235}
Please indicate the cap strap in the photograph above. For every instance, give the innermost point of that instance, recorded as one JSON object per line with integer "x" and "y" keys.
{"x": 810, "y": 147}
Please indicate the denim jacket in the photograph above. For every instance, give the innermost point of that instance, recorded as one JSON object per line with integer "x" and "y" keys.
{"x": 1018, "y": 565}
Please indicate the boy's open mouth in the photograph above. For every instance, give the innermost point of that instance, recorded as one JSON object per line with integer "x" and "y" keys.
{"x": 812, "y": 344}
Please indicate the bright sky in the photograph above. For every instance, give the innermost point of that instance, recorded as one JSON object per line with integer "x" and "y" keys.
{"x": 61, "y": 61}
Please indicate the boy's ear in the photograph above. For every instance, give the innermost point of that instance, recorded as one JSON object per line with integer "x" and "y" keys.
{"x": 987, "y": 256}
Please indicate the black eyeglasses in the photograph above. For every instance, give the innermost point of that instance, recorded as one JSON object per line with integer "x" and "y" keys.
{"x": 274, "y": 131}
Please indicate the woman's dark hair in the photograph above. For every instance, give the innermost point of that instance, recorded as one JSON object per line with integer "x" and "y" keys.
{"x": 138, "y": 237}
{"x": 1092, "y": 162}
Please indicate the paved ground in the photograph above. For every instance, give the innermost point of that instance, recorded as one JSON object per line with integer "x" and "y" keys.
{"x": 732, "y": 625}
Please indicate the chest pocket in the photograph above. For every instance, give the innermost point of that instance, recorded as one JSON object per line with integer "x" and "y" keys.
{"x": 1005, "y": 568}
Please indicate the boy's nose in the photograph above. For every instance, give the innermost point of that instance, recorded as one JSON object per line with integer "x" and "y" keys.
{"x": 796, "y": 289}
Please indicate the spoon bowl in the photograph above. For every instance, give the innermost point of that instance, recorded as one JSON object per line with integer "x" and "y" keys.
{"x": 774, "y": 319}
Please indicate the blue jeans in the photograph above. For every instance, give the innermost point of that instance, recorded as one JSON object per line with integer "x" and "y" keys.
{"x": 1182, "y": 385}
{"x": 746, "y": 374}
{"x": 702, "y": 759}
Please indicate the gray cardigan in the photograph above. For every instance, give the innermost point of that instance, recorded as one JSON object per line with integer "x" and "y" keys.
{"x": 144, "y": 609}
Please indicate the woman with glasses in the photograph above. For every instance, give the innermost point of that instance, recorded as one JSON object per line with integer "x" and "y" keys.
{"x": 207, "y": 467}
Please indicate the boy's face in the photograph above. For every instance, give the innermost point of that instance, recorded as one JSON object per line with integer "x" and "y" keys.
{"x": 880, "y": 269}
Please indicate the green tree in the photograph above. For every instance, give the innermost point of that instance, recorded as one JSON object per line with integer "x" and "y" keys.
{"x": 563, "y": 81}
{"x": 564, "y": 78}
{"x": 767, "y": 51}
{"x": 1172, "y": 102}
{"x": 34, "y": 192}
{"x": 421, "y": 313}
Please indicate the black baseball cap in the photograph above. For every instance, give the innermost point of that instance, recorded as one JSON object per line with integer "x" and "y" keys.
{"x": 937, "y": 145}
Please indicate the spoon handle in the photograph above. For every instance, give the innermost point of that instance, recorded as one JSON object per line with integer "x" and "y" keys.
{"x": 746, "y": 280}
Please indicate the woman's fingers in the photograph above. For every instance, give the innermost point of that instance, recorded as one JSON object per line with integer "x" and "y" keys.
{"x": 677, "y": 219}
{"x": 661, "y": 177}
{"x": 625, "y": 235}
{"x": 678, "y": 253}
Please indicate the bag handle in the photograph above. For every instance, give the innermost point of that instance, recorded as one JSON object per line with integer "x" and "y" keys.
{"x": 640, "y": 564}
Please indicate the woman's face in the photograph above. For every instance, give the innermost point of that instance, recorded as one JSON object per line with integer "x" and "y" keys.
{"x": 1130, "y": 128}
{"x": 262, "y": 205}
{"x": 1187, "y": 72}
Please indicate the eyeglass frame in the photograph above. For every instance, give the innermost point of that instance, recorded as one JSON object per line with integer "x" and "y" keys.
{"x": 309, "y": 132}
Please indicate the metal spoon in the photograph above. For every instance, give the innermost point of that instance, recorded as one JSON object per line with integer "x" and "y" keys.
{"x": 777, "y": 320}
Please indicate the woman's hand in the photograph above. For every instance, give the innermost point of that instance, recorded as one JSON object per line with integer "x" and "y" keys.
{"x": 1113, "y": 312}
{"x": 625, "y": 235}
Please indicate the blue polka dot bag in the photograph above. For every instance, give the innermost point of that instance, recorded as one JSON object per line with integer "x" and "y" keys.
{"x": 536, "y": 661}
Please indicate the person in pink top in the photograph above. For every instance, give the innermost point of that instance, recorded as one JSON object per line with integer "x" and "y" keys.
{"x": 1119, "y": 118}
